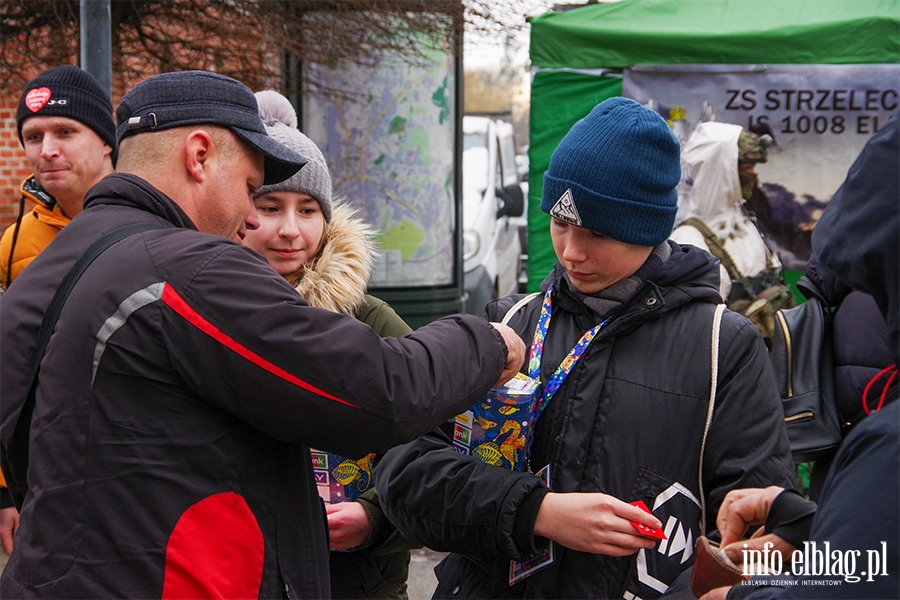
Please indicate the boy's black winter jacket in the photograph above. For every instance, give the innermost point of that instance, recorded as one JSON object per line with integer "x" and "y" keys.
{"x": 628, "y": 422}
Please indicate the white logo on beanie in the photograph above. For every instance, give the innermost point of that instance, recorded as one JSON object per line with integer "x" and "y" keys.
{"x": 565, "y": 210}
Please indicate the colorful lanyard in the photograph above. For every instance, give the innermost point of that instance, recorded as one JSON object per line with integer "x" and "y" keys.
{"x": 568, "y": 363}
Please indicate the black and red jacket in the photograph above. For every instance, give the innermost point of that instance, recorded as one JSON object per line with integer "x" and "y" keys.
{"x": 176, "y": 402}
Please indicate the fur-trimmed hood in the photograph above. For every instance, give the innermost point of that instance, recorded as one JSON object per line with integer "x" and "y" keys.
{"x": 337, "y": 278}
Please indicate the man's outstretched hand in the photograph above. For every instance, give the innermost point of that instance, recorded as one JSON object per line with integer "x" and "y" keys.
{"x": 515, "y": 355}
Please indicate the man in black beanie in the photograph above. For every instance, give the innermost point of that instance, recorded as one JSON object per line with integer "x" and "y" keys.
{"x": 65, "y": 124}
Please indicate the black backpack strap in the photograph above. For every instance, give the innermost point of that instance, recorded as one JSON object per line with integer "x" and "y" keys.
{"x": 29, "y": 190}
{"x": 19, "y": 443}
{"x": 15, "y": 238}
{"x": 809, "y": 289}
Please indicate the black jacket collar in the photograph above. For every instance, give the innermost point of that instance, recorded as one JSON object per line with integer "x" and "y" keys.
{"x": 124, "y": 189}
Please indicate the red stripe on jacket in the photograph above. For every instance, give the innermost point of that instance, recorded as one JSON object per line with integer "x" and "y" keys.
{"x": 171, "y": 298}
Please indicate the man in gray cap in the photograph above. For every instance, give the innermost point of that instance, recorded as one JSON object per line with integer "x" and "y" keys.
{"x": 161, "y": 449}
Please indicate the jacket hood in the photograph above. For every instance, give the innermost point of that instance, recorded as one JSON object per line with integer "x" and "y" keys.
{"x": 338, "y": 277}
{"x": 689, "y": 272}
{"x": 858, "y": 236}
{"x": 710, "y": 157}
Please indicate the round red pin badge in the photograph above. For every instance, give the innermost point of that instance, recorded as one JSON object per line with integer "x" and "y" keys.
{"x": 37, "y": 98}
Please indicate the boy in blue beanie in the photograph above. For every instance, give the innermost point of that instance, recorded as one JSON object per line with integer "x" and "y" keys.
{"x": 633, "y": 414}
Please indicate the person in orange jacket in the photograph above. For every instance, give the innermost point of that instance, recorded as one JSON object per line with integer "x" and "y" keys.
{"x": 65, "y": 124}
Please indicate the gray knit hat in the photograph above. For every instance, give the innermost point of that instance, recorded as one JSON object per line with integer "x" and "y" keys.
{"x": 280, "y": 120}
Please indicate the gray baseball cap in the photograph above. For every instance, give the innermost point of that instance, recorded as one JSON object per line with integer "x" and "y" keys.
{"x": 196, "y": 97}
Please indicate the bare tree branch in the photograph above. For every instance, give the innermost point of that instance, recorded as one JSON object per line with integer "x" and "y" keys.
{"x": 244, "y": 39}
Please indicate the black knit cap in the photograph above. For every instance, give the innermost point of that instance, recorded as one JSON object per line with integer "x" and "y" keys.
{"x": 67, "y": 91}
{"x": 186, "y": 98}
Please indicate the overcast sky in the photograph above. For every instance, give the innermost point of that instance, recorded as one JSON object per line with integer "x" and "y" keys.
{"x": 485, "y": 52}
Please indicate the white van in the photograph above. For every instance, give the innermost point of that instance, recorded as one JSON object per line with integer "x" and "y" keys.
{"x": 492, "y": 194}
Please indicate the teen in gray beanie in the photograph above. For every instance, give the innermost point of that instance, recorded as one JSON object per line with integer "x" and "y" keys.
{"x": 615, "y": 173}
{"x": 280, "y": 120}
{"x": 328, "y": 257}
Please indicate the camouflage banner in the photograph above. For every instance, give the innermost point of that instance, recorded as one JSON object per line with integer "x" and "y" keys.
{"x": 819, "y": 117}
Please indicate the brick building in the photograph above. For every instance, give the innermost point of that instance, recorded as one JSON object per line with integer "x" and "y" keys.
{"x": 13, "y": 166}
{"x": 133, "y": 61}
{"x": 255, "y": 43}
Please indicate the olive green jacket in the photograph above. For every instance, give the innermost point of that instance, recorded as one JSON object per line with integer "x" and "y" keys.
{"x": 337, "y": 280}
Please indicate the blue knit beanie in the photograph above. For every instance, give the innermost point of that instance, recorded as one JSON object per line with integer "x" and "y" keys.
{"x": 615, "y": 173}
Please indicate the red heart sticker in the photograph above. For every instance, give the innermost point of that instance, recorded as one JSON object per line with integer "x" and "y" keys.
{"x": 656, "y": 533}
{"x": 37, "y": 98}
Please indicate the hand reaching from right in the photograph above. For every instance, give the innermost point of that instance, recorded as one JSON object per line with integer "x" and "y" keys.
{"x": 742, "y": 508}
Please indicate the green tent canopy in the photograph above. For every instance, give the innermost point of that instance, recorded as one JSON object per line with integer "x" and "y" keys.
{"x": 577, "y": 57}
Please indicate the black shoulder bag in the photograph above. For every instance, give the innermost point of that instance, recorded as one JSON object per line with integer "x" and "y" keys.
{"x": 804, "y": 368}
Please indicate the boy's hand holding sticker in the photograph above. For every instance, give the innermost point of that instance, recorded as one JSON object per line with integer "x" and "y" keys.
{"x": 648, "y": 531}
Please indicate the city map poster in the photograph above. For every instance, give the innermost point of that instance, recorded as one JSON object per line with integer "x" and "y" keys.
{"x": 388, "y": 134}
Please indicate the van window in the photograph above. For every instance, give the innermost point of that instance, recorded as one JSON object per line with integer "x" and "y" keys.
{"x": 474, "y": 140}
